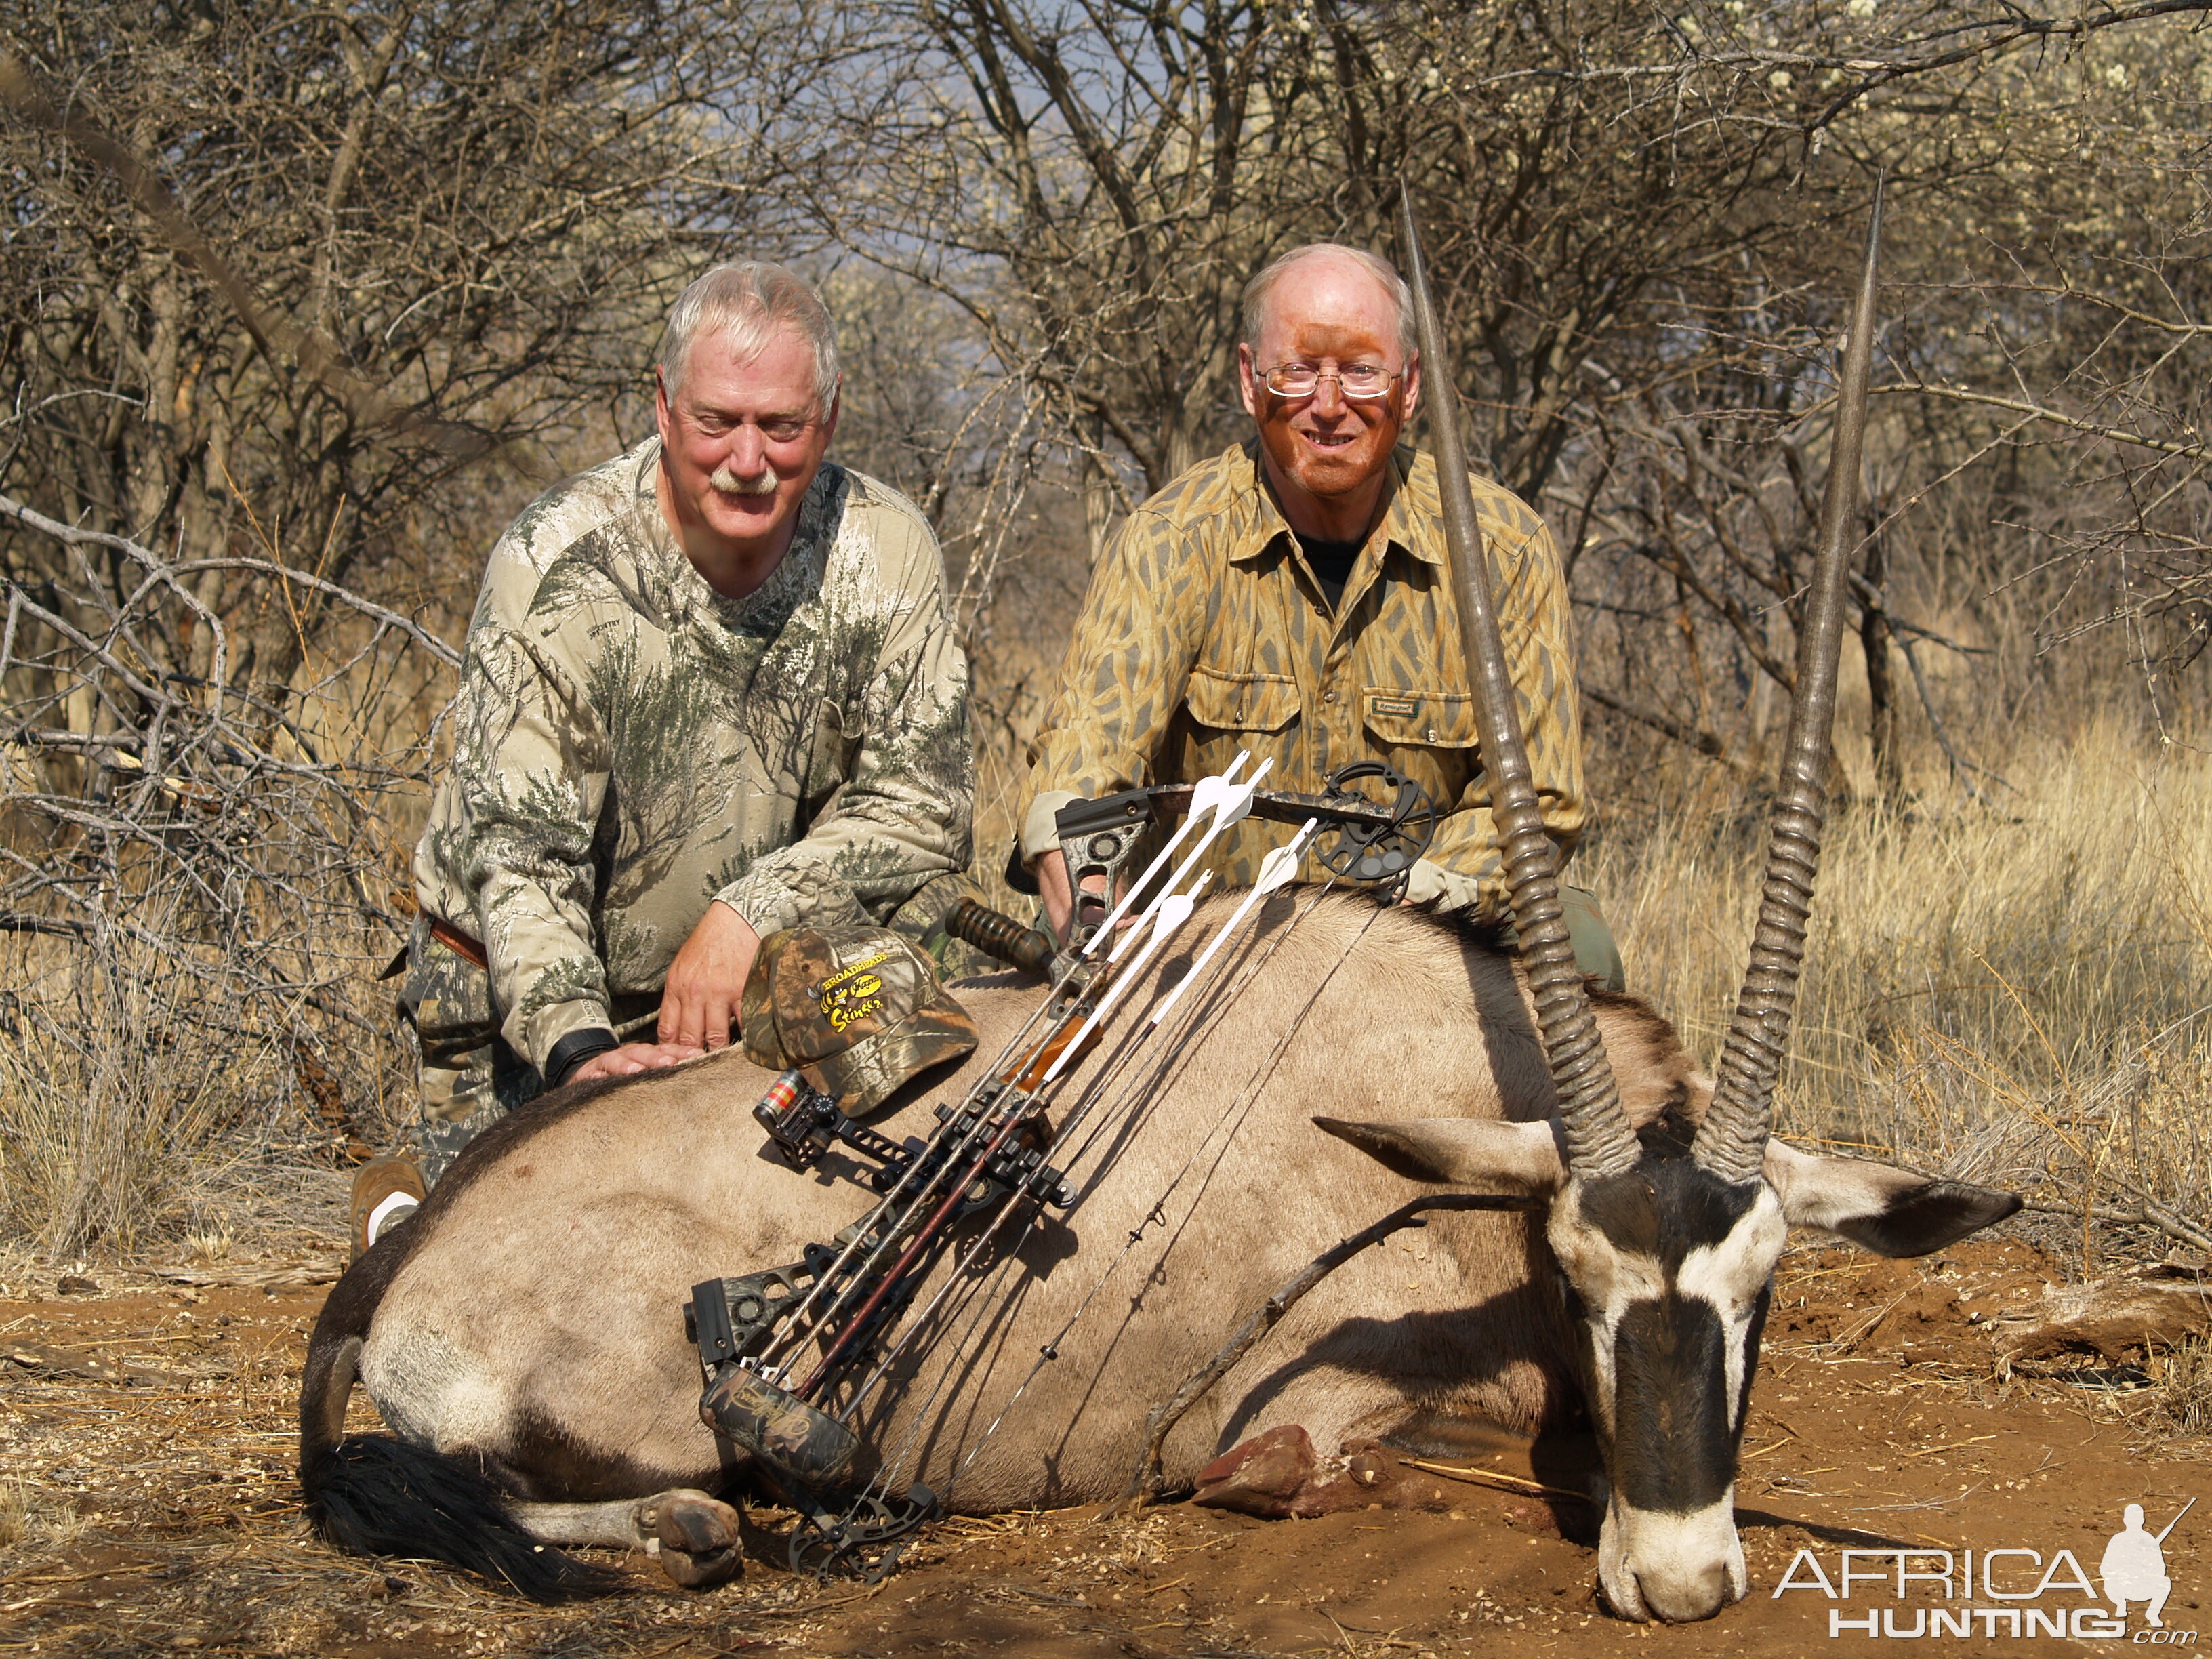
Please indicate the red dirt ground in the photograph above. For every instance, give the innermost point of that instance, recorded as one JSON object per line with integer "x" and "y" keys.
{"x": 146, "y": 1459}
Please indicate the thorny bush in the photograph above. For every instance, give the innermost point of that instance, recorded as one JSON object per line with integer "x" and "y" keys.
{"x": 197, "y": 885}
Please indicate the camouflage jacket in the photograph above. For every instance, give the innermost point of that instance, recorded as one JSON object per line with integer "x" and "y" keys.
{"x": 631, "y": 746}
{"x": 1204, "y": 632}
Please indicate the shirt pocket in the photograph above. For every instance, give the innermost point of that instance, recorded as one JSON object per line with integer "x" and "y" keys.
{"x": 1240, "y": 702}
{"x": 831, "y": 758}
{"x": 1421, "y": 720}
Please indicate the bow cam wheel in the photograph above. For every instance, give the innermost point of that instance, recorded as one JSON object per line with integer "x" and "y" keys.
{"x": 1378, "y": 851}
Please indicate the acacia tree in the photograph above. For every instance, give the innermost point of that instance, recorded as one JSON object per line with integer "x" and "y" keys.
{"x": 1090, "y": 184}
{"x": 2036, "y": 445}
{"x": 1093, "y": 182}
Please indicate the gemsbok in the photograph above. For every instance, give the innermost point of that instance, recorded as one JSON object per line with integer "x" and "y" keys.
{"x": 523, "y": 1340}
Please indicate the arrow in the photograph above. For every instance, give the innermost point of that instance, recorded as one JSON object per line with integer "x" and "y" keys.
{"x": 1205, "y": 795}
{"x": 1172, "y": 914}
{"x": 1276, "y": 869}
{"x": 1234, "y": 807}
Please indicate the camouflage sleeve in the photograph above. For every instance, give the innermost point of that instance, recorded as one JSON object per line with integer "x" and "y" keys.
{"x": 1463, "y": 867}
{"x": 904, "y": 814}
{"x": 530, "y": 773}
{"x": 1128, "y": 663}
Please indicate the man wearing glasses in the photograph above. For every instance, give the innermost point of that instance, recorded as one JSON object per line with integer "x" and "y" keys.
{"x": 1291, "y": 598}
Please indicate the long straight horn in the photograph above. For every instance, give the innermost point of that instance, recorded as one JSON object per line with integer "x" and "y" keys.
{"x": 1600, "y": 1142}
{"x": 1732, "y": 1141}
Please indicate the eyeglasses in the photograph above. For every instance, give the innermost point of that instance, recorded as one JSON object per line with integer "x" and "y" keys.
{"x": 1355, "y": 382}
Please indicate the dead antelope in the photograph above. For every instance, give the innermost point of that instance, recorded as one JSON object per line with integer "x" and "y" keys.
{"x": 521, "y": 1335}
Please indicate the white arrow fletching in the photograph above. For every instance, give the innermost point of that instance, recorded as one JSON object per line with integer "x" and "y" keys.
{"x": 1173, "y": 911}
{"x": 1172, "y": 916}
{"x": 1275, "y": 870}
{"x": 1205, "y": 794}
{"x": 1235, "y": 807}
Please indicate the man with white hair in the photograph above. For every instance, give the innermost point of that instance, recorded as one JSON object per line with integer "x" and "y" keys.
{"x": 1291, "y": 598}
{"x": 711, "y": 691}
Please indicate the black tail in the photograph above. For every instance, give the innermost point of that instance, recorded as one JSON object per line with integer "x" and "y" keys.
{"x": 375, "y": 1495}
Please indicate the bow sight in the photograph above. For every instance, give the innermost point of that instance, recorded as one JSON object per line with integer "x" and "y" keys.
{"x": 845, "y": 1298}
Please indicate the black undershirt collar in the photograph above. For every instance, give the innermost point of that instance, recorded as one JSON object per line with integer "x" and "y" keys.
{"x": 1331, "y": 563}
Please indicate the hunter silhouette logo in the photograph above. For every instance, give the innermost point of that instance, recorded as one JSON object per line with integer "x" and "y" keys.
{"x": 2134, "y": 1566}
{"x": 2004, "y": 1593}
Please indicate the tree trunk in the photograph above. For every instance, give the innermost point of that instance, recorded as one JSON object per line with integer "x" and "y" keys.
{"x": 1097, "y": 491}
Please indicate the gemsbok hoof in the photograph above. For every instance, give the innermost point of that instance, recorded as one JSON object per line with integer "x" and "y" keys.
{"x": 693, "y": 1536}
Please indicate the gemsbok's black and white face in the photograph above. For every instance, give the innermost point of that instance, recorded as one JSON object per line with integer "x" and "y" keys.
{"x": 1666, "y": 1269}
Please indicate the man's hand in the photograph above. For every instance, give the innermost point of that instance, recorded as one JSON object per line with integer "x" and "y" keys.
{"x": 1053, "y": 888}
{"x": 634, "y": 1057}
{"x": 707, "y": 982}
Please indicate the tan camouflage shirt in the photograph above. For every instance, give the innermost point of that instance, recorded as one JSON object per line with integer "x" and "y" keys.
{"x": 630, "y": 746}
{"x": 1205, "y": 632}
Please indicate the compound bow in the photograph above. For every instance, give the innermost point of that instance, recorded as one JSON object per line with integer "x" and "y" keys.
{"x": 845, "y": 1298}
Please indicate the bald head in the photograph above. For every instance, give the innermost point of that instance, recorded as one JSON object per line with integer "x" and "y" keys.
{"x": 1316, "y": 314}
{"x": 1333, "y": 277}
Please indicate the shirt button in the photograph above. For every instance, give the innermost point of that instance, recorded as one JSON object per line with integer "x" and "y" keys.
{"x": 1329, "y": 696}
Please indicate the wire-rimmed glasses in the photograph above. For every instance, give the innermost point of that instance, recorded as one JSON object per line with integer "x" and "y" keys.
{"x": 1355, "y": 382}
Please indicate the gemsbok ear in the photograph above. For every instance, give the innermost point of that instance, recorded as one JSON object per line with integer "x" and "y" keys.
{"x": 1889, "y": 1211}
{"x": 1517, "y": 1160}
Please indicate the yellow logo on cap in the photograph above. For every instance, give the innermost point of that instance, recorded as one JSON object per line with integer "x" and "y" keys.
{"x": 844, "y": 974}
{"x": 853, "y": 992}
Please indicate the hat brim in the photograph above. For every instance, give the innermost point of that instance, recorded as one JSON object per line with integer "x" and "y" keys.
{"x": 861, "y": 1078}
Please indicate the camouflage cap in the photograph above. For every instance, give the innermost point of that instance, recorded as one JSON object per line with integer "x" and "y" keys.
{"x": 858, "y": 1008}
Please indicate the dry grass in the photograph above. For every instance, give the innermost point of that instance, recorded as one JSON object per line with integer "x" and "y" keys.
{"x": 188, "y": 997}
{"x": 141, "y": 1106}
{"x": 2014, "y": 989}
{"x": 14, "y": 1512}
{"x": 104, "y": 1127}
{"x": 2184, "y": 1392}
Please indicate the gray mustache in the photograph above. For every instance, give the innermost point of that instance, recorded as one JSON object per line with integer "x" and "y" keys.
{"x": 729, "y": 483}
